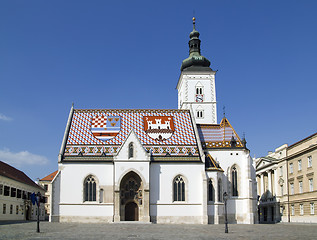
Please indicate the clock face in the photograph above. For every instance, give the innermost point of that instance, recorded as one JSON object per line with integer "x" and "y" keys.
{"x": 199, "y": 98}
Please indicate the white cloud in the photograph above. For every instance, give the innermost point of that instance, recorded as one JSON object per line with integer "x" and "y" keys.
{"x": 22, "y": 158}
{"x": 4, "y": 117}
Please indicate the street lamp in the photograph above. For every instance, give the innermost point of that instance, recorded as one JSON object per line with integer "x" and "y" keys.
{"x": 38, "y": 197}
{"x": 225, "y": 198}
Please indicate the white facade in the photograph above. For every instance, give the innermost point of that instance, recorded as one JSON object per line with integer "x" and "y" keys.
{"x": 197, "y": 91}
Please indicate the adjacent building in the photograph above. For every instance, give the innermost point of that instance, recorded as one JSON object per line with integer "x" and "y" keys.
{"x": 286, "y": 183}
{"x": 46, "y": 183}
{"x": 160, "y": 166}
{"x": 15, "y": 195}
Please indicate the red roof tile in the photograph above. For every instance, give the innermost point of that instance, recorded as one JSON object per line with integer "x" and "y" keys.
{"x": 218, "y": 135}
{"x": 49, "y": 177}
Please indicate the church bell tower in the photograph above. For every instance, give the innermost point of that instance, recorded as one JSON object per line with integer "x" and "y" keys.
{"x": 196, "y": 84}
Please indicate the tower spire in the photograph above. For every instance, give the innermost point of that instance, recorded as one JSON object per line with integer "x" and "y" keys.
{"x": 195, "y": 58}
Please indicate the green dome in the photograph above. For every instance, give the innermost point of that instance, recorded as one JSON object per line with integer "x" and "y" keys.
{"x": 195, "y": 58}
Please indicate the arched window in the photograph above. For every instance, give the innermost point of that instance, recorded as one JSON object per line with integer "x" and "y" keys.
{"x": 90, "y": 187}
{"x": 234, "y": 180}
{"x": 199, "y": 114}
{"x": 179, "y": 189}
{"x": 131, "y": 150}
{"x": 219, "y": 190}
{"x": 211, "y": 191}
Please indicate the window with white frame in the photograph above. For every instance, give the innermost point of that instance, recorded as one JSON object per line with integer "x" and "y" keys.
{"x": 4, "y": 208}
{"x": 312, "y": 208}
{"x": 301, "y": 209}
{"x": 299, "y": 165}
{"x": 234, "y": 179}
{"x": 291, "y": 169}
{"x": 90, "y": 187}
{"x": 300, "y": 186}
{"x": 211, "y": 191}
{"x": 282, "y": 210}
{"x": 292, "y": 188}
{"x": 309, "y": 161}
{"x": 131, "y": 150}
{"x": 179, "y": 189}
{"x": 219, "y": 190}
{"x": 311, "y": 184}
{"x": 199, "y": 90}
{"x": 1, "y": 189}
{"x": 292, "y": 210}
{"x": 200, "y": 113}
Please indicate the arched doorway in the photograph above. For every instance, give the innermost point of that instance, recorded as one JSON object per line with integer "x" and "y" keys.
{"x": 131, "y": 212}
{"x": 131, "y": 197}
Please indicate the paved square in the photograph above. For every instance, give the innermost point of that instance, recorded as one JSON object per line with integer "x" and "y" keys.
{"x": 27, "y": 230}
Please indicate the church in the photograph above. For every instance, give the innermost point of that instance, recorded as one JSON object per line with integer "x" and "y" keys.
{"x": 160, "y": 166}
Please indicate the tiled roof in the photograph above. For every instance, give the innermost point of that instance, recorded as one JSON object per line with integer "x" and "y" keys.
{"x": 10, "y": 172}
{"x": 211, "y": 164}
{"x": 94, "y": 131}
{"x": 49, "y": 177}
{"x": 218, "y": 135}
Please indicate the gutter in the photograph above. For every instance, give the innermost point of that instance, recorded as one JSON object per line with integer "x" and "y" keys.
{"x": 63, "y": 146}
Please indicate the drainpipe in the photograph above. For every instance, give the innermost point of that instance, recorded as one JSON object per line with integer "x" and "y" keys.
{"x": 288, "y": 207}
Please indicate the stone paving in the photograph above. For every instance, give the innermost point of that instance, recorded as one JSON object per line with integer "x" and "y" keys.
{"x": 27, "y": 230}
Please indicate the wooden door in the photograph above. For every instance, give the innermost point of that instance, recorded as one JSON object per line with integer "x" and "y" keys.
{"x": 131, "y": 212}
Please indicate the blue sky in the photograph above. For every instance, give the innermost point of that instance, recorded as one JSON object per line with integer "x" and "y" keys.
{"x": 127, "y": 54}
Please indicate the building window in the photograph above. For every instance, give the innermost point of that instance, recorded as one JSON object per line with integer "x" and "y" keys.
{"x": 11, "y": 209}
{"x": 312, "y": 208}
{"x": 301, "y": 209}
{"x": 90, "y": 189}
{"x": 299, "y": 165}
{"x": 292, "y": 188}
{"x": 200, "y": 114}
{"x": 199, "y": 90}
{"x": 4, "y": 208}
{"x": 179, "y": 189}
{"x": 17, "y": 209}
{"x": 282, "y": 190}
{"x": 13, "y": 192}
{"x": 281, "y": 171}
{"x": 291, "y": 170}
{"x": 101, "y": 195}
{"x": 300, "y": 186}
{"x": 19, "y": 193}
{"x": 1, "y": 189}
{"x": 45, "y": 187}
{"x": 292, "y": 210}
{"x": 131, "y": 150}
{"x": 310, "y": 162}
{"x": 211, "y": 191}
{"x": 6, "y": 191}
{"x": 219, "y": 190}
{"x": 282, "y": 210}
{"x": 234, "y": 180}
{"x": 311, "y": 184}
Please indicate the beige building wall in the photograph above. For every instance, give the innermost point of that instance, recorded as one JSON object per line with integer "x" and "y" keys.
{"x": 14, "y": 206}
{"x": 287, "y": 183}
{"x": 302, "y": 166}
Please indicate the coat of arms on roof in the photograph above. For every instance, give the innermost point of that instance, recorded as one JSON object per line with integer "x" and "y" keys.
{"x": 105, "y": 127}
{"x": 159, "y": 127}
